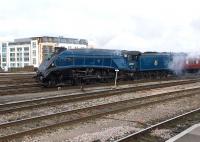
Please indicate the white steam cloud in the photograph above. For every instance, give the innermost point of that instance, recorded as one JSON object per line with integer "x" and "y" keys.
{"x": 177, "y": 63}
{"x": 181, "y": 60}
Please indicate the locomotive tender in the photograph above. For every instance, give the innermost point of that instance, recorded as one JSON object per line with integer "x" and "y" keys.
{"x": 92, "y": 65}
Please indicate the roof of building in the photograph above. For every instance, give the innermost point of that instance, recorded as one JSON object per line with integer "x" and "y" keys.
{"x": 60, "y": 39}
{"x": 19, "y": 43}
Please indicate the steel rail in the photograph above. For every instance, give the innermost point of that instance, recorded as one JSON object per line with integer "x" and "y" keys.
{"x": 142, "y": 132}
{"x": 47, "y": 101}
{"x": 94, "y": 111}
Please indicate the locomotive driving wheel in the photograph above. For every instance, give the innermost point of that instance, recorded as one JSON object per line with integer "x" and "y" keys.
{"x": 52, "y": 81}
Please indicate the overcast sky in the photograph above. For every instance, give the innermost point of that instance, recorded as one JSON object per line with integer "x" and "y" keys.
{"x": 145, "y": 25}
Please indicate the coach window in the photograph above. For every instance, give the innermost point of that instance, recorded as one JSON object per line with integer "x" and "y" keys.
{"x": 197, "y": 61}
{"x": 193, "y": 62}
{"x": 187, "y": 62}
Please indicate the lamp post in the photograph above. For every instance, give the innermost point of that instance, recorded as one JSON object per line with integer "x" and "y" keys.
{"x": 116, "y": 72}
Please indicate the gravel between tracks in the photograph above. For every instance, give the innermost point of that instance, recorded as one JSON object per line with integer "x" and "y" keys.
{"x": 27, "y": 96}
{"x": 117, "y": 125}
{"x": 75, "y": 105}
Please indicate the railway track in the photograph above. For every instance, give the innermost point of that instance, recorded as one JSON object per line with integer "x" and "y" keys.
{"x": 19, "y": 83}
{"x": 18, "y": 128}
{"x": 64, "y": 98}
{"x": 143, "y": 135}
{"x": 32, "y": 87}
{"x": 13, "y": 78}
{"x": 20, "y": 88}
{"x": 15, "y": 75}
{"x": 17, "y": 86}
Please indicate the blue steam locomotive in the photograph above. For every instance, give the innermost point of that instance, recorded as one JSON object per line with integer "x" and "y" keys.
{"x": 92, "y": 65}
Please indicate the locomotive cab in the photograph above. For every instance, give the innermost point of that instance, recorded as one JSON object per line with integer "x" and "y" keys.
{"x": 132, "y": 58}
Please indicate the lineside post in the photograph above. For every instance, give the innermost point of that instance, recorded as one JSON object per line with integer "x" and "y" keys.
{"x": 82, "y": 83}
{"x": 116, "y": 72}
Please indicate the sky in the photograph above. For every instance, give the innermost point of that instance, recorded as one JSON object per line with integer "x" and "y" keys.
{"x": 144, "y": 25}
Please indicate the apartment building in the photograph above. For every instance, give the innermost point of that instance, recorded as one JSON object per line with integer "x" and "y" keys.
{"x": 32, "y": 51}
{"x": 3, "y": 55}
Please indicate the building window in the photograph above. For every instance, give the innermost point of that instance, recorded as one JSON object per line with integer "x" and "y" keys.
{"x": 44, "y": 39}
{"x": 12, "y": 54}
{"x": 34, "y": 61}
{"x": 3, "y": 54}
{"x": 4, "y": 64}
{"x": 63, "y": 40}
{"x": 19, "y": 64}
{"x": 3, "y": 49}
{"x": 3, "y": 59}
{"x": 12, "y": 65}
{"x": 19, "y": 59}
{"x": 50, "y": 39}
{"x": 34, "y": 44}
{"x": 26, "y": 59}
{"x": 26, "y": 64}
{"x": 34, "y": 52}
{"x": 47, "y": 51}
{"x": 19, "y": 54}
{"x": 12, "y": 49}
{"x": 26, "y": 54}
{"x": 26, "y": 49}
{"x": 4, "y": 45}
{"x": 19, "y": 49}
{"x": 12, "y": 59}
